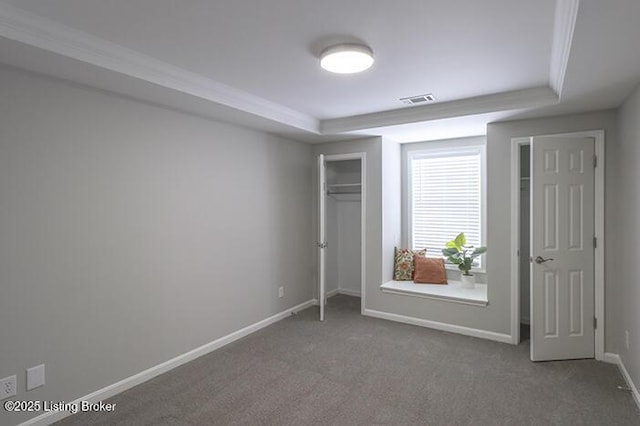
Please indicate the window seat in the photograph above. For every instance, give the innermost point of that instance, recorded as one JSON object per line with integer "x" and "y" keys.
{"x": 452, "y": 292}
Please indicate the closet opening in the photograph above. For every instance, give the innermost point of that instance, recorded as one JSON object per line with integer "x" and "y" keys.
{"x": 343, "y": 218}
{"x": 525, "y": 226}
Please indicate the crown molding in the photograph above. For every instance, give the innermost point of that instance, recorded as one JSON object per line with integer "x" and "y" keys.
{"x": 516, "y": 99}
{"x": 24, "y": 27}
{"x": 564, "y": 26}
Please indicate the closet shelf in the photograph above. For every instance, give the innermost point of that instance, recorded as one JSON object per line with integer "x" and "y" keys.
{"x": 344, "y": 188}
{"x": 345, "y": 185}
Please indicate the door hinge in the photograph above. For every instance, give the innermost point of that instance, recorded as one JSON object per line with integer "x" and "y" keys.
{"x": 595, "y": 161}
{"x": 595, "y": 242}
{"x": 323, "y": 245}
{"x": 595, "y": 322}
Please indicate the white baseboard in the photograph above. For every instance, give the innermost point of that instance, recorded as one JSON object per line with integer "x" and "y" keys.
{"x": 347, "y": 292}
{"x": 333, "y": 292}
{"x": 473, "y": 332}
{"x": 344, "y": 291}
{"x": 136, "y": 379}
{"x": 612, "y": 358}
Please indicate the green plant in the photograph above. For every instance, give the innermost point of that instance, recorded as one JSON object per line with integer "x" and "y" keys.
{"x": 459, "y": 253}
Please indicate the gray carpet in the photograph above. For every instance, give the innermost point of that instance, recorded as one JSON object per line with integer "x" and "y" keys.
{"x": 354, "y": 370}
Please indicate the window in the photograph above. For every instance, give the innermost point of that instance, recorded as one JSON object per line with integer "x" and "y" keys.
{"x": 445, "y": 193}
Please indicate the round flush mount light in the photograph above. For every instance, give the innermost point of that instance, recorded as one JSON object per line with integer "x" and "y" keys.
{"x": 346, "y": 58}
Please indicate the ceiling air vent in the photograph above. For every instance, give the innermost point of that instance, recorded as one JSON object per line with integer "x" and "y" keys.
{"x": 419, "y": 99}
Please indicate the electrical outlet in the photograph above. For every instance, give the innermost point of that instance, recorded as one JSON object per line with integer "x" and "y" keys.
{"x": 8, "y": 387}
{"x": 626, "y": 339}
{"x": 35, "y": 377}
{"x": 280, "y": 291}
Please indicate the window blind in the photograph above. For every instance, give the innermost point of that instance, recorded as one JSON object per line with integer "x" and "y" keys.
{"x": 446, "y": 196}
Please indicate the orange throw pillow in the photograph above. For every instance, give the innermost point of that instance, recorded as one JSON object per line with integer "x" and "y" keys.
{"x": 429, "y": 270}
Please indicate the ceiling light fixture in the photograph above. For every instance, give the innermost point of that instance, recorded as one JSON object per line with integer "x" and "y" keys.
{"x": 346, "y": 58}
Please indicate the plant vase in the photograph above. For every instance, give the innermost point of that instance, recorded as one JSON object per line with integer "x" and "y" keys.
{"x": 468, "y": 281}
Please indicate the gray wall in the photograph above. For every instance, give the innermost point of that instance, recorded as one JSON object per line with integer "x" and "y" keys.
{"x": 391, "y": 206}
{"x": 132, "y": 234}
{"x": 628, "y": 240}
{"x": 348, "y": 245}
{"x": 331, "y": 254}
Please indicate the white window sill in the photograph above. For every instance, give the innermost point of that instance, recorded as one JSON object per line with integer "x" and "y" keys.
{"x": 452, "y": 292}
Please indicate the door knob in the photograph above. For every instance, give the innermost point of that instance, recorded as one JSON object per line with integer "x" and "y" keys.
{"x": 541, "y": 259}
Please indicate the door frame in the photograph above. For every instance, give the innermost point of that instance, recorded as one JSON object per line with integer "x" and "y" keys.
{"x": 599, "y": 193}
{"x": 362, "y": 156}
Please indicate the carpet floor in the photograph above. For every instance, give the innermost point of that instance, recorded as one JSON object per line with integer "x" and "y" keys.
{"x": 355, "y": 370}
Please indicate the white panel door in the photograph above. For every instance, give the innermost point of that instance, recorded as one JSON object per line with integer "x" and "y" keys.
{"x": 322, "y": 233}
{"x": 562, "y": 248}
